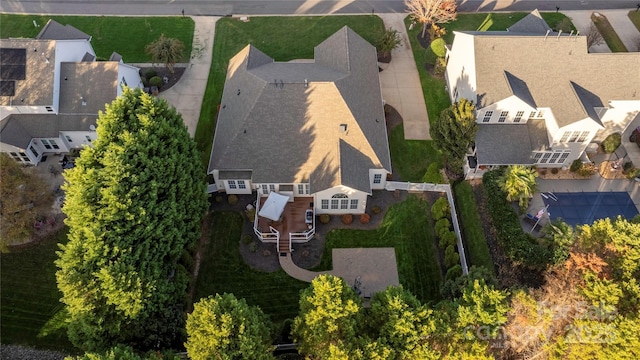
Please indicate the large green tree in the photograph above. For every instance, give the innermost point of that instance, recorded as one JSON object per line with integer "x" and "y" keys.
{"x": 454, "y": 130}
{"x": 134, "y": 202}
{"x": 226, "y": 328}
{"x": 403, "y": 324}
{"x": 519, "y": 183}
{"x": 327, "y": 324}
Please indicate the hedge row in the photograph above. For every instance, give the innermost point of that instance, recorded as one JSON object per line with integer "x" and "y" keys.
{"x": 519, "y": 246}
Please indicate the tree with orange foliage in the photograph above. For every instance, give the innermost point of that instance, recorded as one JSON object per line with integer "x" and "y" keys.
{"x": 429, "y": 12}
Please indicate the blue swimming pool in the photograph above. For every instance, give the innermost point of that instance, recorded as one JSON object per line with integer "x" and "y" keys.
{"x": 585, "y": 207}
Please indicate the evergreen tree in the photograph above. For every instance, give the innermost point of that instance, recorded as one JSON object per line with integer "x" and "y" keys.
{"x": 329, "y": 316}
{"x": 223, "y": 327}
{"x": 454, "y": 130}
{"x": 134, "y": 201}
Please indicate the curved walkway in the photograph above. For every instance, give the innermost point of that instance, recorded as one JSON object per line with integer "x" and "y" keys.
{"x": 186, "y": 95}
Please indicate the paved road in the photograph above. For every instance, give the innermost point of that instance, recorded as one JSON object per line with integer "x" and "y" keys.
{"x": 257, "y": 7}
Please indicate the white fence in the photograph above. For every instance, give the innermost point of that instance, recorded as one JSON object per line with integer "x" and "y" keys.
{"x": 446, "y": 188}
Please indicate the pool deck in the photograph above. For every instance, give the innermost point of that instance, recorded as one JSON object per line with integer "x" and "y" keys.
{"x": 594, "y": 184}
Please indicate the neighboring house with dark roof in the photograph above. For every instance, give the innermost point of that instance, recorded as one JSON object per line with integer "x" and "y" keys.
{"x": 540, "y": 97}
{"x": 51, "y": 89}
{"x": 309, "y": 128}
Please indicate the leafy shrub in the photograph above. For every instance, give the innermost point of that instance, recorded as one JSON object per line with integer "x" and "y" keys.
{"x": 447, "y": 239}
{"x": 376, "y": 209}
{"x": 518, "y": 245}
{"x": 438, "y": 47}
{"x": 144, "y": 80}
{"x": 365, "y": 218}
{"x": 156, "y": 81}
{"x": 433, "y": 174}
{"x": 187, "y": 260}
{"x": 218, "y": 198}
{"x": 442, "y": 225}
{"x": 564, "y": 25}
{"x": 575, "y": 165}
{"x": 587, "y": 169}
{"x": 453, "y": 273}
{"x": 436, "y": 31}
{"x": 232, "y": 199}
{"x": 247, "y": 239}
{"x": 440, "y": 66}
{"x": 347, "y": 219}
{"x": 451, "y": 257}
{"x": 253, "y": 247}
{"x": 325, "y": 218}
{"x": 554, "y": 171}
{"x": 251, "y": 214}
{"x": 150, "y": 73}
{"x": 440, "y": 208}
{"x": 611, "y": 143}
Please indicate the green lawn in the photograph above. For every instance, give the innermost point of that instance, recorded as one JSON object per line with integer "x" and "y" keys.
{"x": 283, "y": 38}
{"x": 476, "y": 247}
{"x": 127, "y": 36}
{"x": 30, "y": 298}
{"x": 407, "y": 228}
{"x": 635, "y": 18}
{"x": 608, "y": 33}
{"x": 223, "y": 270}
{"x": 411, "y": 158}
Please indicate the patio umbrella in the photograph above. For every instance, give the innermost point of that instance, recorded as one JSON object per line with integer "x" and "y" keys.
{"x": 274, "y": 206}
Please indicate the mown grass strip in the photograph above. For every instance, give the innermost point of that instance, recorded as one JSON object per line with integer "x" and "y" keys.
{"x": 477, "y": 249}
{"x": 127, "y": 36}
{"x": 31, "y": 312}
{"x": 610, "y": 36}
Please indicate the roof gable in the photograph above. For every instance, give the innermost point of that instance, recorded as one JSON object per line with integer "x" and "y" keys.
{"x": 53, "y": 30}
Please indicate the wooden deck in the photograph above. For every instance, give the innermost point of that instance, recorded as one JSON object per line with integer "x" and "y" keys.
{"x": 292, "y": 220}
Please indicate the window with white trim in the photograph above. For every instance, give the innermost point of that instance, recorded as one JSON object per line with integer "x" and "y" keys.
{"x": 68, "y": 138}
{"x": 324, "y": 204}
{"x": 583, "y": 136}
{"x": 554, "y": 157}
{"x": 334, "y": 203}
{"x": 545, "y": 158}
{"x": 232, "y": 184}
{"x": 344, "y": 204}
{"x": 536, "y": 157}
{"x": 377, "y": 178}
{"x": 518, "y": 117}
{"x": 34, "y": 151}
{"x": 540, "y": 114}
{"x": 354, "y": 204}
{"x": 503, "y": 116}
{"x": 272, "y": 187}
{"x": 88, "y": 138}
{"x": 264, "y": 189}
{"x": 565, "y": 136}
{"x": 563, "y": 157}
{"x": 46, "y": 144}
{"x": 242, "y": 184}
{"x": 574, "y": 136}
{"x": 49, "y": 108}
{"x": 532, "y": 115}
{"x": 303, "y": 189}
{"x": 487, "y": 116}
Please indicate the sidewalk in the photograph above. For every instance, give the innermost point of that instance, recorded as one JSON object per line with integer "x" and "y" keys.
{"x": 620, "y": 21}
{"x": 401, "y": 86}
{"x": 187, "y": 94}
{"x": 582, "y": 20}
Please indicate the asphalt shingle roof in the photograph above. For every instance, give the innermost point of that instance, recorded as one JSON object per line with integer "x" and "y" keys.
{"x": 19, "y": 129}
{"x": 53, "y": 30}
{"x": 506, "y": 144}
{"x": 288, "y": 130}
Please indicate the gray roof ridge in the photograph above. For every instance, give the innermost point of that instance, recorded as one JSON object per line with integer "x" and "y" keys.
{"x": 581, "y": 101}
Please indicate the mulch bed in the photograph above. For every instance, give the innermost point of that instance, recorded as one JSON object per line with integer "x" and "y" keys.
{"x": 424, "y": 41}
{"x": 163, "y": 71}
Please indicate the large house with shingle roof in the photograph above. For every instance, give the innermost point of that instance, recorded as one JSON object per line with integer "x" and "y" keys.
{"x": 541, "y": 98}
{"x": 51, "y": 89}
{"x": 308, "y": 128}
